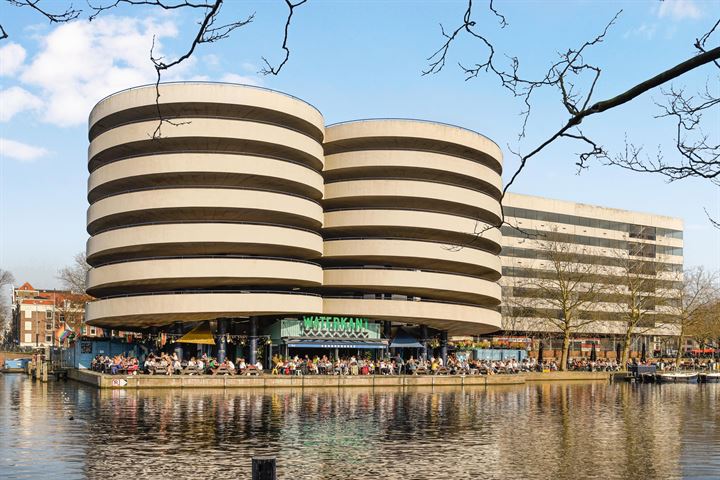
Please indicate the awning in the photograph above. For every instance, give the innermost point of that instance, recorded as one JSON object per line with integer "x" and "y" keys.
{"x": 333, "y": 344}
{"x": 200, "y": 334}
{"x": 404, "y": 340}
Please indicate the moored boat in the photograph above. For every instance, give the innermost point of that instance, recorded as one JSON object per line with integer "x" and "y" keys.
{"x": 678, "y": 377}
{"x": 710, "y": 377}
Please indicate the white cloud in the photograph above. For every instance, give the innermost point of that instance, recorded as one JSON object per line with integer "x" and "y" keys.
{"x": 244, "y": 79}
{"x": 14, "y": 100}
{"x": 211, "y": 59}
{"x": 81, "y": 62}
{"x": 12, "y": 57}
{"x": 646, "y": 31}
{"x": 20, "y": 151}
{"x": 679, "y": 9}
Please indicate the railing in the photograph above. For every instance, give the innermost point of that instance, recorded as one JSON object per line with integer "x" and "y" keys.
{"x": 409, "y": 299}
{"x": 218, "y": 117}
{"x": 411, "y": 239}
{"x": 406, "y": 269}
{"x": 486, "y": 192}
{"x": 209, "y": 221}
{"x": 213, "y": 83}
{"x": 216, "y": 151}
{"x": 200, "y": 292}
{"x": 221, "y": 187}
{"x": 433, "y": 122}
{"x": 195, "y": 257}
{"x": 410, "y": 209}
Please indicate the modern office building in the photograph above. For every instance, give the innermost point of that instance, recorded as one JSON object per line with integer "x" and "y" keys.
{"x": 612, "y": 244}
{"x": 242, "y": 208}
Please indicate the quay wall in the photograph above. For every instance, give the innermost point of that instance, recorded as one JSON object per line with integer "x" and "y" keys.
{"x": 272, "y": 381}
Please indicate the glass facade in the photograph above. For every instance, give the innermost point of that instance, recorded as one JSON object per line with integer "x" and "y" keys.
{"x": 633, "y": 248}
{"x": 634, "y": 231}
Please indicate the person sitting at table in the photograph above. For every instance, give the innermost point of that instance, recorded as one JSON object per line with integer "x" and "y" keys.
{"x": 116, "y": 365}
{"x": 411, "y": 365}
{"x": 200, "y": 366}
{"x": 212, "y": 364}
{"x": 240, "y": 365}
{"x": 217, "y": 367}
{"x": 259, "y": 366}
{"x": 230, "y": 367}
{"x": 191, "y": 366}
{"x": 133, "y": 366}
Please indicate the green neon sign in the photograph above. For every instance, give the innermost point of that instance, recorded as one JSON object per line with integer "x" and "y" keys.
{"x": 335, "y": 327}
{"x": 314, "y": 323}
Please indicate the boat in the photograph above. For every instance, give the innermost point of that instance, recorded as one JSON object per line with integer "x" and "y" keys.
{"x": 678, "y": 377}
{"x": 713, "y": 377}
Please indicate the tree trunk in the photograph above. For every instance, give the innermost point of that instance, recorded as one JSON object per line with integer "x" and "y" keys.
{"x": 626, "y": 349}
{"x": 565, "y": 351}
{"x": 678, "y": 354}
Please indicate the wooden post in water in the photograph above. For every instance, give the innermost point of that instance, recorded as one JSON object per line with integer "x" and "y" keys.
{"x": 263, "y": 468}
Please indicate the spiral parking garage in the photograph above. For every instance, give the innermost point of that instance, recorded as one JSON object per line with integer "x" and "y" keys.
{"x": 248, "y": 212}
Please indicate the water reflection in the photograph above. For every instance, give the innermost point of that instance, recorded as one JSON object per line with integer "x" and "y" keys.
{"x": 562, "y": 431}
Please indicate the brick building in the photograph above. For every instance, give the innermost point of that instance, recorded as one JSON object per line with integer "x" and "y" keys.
{"x": 40, "y": 317}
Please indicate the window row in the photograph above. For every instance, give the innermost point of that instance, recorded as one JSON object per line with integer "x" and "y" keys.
{"x": 535, "y": 254}
{"x": 633, "y": 248}
{"x": 634, "y": 231}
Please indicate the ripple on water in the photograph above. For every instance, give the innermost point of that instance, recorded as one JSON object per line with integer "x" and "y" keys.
{"x": 559, "y": 431}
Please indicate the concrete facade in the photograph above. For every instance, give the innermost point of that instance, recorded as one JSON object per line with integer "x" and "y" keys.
{"x": 246, "y": 205}
{"x": 612, "y": 239}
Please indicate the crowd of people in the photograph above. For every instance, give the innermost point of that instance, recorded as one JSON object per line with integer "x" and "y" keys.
{"x": 170, "y": 364}
{"x": 588, "y": 365}
{"x": 323, "y": 365}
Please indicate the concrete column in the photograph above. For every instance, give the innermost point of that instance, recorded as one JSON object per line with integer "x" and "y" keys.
{"x": 253, "y": 340}
{"x": 443, "y": 346}
{"x": 178, "y": 330}
{"x": 387, "y": 333}
{"x": 424, "y": 341}
{"x": 222, "y": 339}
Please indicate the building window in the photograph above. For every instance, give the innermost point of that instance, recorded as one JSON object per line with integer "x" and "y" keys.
{"x": 28, "y": 314}
{"x": 48, "y": 314}
{"x": 28, "y": 325}
{"x": 48, "y": 338}
{"x": 92, "y": 331}
{"x": 48, "y": 326}
{"x": 28, "y": 338}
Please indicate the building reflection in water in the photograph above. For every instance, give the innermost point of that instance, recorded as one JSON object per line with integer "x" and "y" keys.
{"x": 562, "y": 431}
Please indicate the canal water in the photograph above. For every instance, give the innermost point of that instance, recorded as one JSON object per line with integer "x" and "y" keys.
{"x": 544, "y": 431}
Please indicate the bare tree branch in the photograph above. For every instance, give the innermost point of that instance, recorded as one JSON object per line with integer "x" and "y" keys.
{"x": 208, "y": 32}
{"x": 269, "y": 69}
{"x": 69, "y": 14}
{"x": 165, "y": 5}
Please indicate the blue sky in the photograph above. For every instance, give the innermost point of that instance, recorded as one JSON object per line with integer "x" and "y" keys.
{"x": 351, "y": 59}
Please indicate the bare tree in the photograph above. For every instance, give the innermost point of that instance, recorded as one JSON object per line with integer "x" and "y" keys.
{"x": 562, "y": 298}
{"x": 696, "y": 309}
{"x": 6, "y": 278}
{"x": 639, "y": 289}
{"x": 70, "y": 309}
{"x": 574, "y": 80}
{"x": 74, "y": 276}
